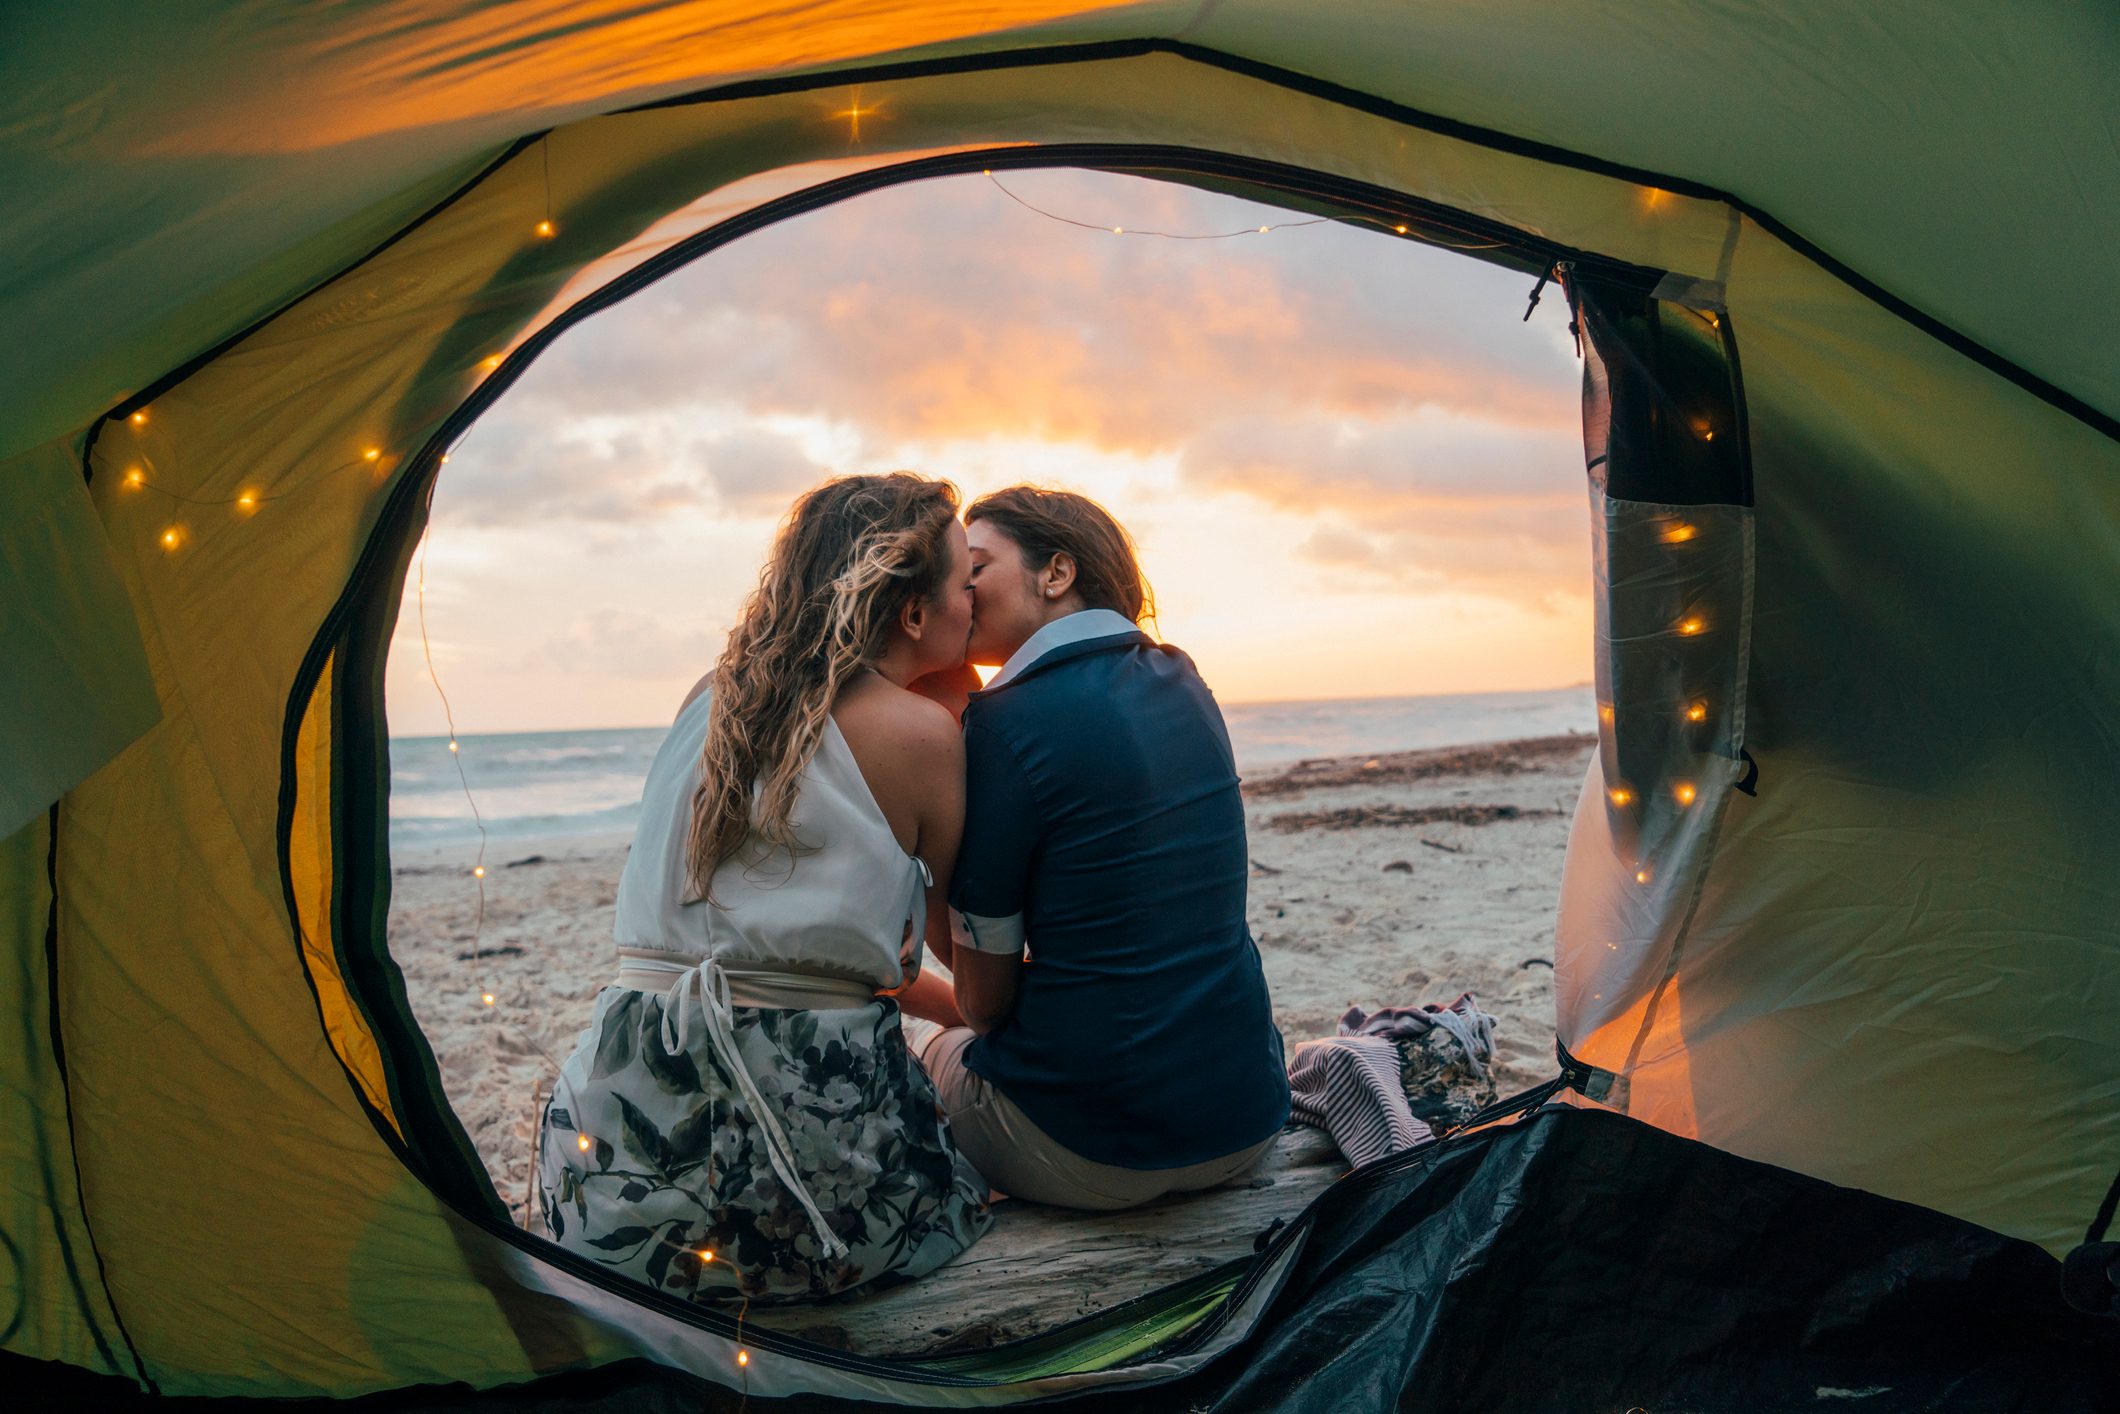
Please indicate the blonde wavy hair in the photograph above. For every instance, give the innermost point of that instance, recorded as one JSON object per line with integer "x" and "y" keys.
{"x": 849, "y": 556}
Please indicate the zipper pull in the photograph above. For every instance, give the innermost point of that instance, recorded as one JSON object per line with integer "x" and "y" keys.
{"x": 1544, "y": 276}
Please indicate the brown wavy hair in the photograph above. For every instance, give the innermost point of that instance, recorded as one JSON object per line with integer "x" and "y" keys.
{"x": 849, "y": 556}
{"x": 1045, "y": 523}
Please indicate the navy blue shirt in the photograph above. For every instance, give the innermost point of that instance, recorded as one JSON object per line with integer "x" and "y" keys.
{"x": 1102, "y": 806}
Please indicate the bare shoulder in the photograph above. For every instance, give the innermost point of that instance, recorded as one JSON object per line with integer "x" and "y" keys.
{"x": 889, "y": 719}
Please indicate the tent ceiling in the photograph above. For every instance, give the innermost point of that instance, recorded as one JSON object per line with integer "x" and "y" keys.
{"x": 179, "y": 171}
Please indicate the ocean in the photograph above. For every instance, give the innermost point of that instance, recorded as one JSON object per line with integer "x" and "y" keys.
{"x": 538, "y": 784}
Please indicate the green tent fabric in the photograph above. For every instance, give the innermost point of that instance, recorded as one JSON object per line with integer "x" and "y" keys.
{"x": 1842, "y": 887}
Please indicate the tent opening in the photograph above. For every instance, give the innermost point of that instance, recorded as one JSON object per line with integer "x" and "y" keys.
{"x": 1351, "y": 461}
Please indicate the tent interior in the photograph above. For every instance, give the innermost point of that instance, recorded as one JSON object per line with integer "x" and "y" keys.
{"x": 1859, "y": 970}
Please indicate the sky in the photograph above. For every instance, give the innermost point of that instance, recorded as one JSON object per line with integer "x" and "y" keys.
{"x": 1353, "y": 469}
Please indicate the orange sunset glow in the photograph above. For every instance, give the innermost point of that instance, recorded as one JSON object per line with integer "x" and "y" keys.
{"x": 1352, "y": 466}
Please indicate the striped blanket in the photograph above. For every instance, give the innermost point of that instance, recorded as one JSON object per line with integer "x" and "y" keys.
{"x": 1381, "y": 1085}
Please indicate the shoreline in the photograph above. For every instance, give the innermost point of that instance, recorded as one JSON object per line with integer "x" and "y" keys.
{"x": 1386, "y": 879}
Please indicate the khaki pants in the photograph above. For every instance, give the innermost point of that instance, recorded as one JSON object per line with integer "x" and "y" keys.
{"x": 1023, "y": 1161}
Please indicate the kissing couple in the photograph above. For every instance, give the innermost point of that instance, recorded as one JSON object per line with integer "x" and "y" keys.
{"x": 774, "y": 1100}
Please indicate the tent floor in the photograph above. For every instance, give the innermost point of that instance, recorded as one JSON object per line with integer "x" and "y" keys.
{"x": 1572, "y": 1261}
{"x": 1039, "y": 1267}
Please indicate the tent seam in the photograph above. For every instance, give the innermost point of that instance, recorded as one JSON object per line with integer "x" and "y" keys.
{"x": 66, "y": 1088}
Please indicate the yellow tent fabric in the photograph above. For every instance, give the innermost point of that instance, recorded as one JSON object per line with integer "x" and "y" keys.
{"x": 273, "y": 262}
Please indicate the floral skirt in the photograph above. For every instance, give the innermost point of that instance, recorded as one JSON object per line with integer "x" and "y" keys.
{"x": 674, "y": 1165}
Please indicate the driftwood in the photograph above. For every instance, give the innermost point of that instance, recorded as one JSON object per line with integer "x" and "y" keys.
{"x": 1040, "y": 1267}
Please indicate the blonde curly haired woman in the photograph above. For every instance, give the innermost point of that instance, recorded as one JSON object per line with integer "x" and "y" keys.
{"x": 745, "y": 1089}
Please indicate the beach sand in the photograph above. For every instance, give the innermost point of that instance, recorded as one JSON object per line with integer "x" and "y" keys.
{"x": 1376, "y": 881}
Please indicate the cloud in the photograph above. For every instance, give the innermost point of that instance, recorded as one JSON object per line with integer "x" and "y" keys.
{"x": 541, "y": 468}
{"x": 757, "y": 471}
{"x": 629, "y": 645}
{"x": 1422, "y": 501}
{"x": 942, "y": 310}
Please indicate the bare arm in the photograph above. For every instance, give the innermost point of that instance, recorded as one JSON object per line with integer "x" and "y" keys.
{"x": 986, "y": 987}
{"x": 941, "y": 830}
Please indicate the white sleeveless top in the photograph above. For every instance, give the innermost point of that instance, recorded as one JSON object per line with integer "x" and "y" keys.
{"x": 841, "y": 910}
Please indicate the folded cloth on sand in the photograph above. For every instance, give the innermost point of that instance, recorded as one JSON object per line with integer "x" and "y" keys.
{"x": 1381, "y": 1084}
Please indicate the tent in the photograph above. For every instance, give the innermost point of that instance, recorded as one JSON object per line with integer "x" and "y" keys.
{"x": 1837, "y": 939}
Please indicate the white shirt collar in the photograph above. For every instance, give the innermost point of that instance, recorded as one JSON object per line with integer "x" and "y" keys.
{"x": 1077, "y": 627}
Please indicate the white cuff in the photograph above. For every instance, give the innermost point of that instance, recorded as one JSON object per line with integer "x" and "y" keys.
{"x": 1002, "y": 937}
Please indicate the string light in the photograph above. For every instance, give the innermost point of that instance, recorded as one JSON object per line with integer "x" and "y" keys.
{"x": 1697, "y": 712}
{"x": 854, "y": 113}
{"x": 247, "y": 501}
{"x": 373, "y": 454}
{"x": 139, "y": 418}
{"x": 1162, "y": 235}
{"x": 1352, "y": 219}
{"x": 581, "y": 1141}
{"x": 546, "y": 230}
{"x": 478, "y": 868}
{"x": 135, "y": 478}
{"x": 1685, "y": 792}
{"x": 1679, "y": 532}
{"x": 1620, "y": 795}
{"x": 1691, "y": 626}
{"x": 743, "y": 1357}
{"x": 172, "y": 538}
{"x": 1604, "y": 713}
{"x": 1641, "y": 876}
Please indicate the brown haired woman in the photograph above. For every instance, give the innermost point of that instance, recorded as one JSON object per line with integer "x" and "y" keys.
{"x": 744, "y": 1089}
{"x": 1120, "y": 1044}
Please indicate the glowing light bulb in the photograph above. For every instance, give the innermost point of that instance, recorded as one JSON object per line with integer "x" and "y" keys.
{"x": 1604, "y": 712}
{"x": 1264, "y": 229}
{"x": 1400, "y": 229}
{"x": 581, "y": 1141}
{"x": 1641, "y": 876}
{"x": 1685, "y": 792}
{"x": 1708, "y": 436}
{"x": 1713, "y": 322}
{"x": 445, "y": 459}
{"x": 172, "y": 538}
{"x": 1691, "y": 626}
{"x": 706, "y": 1254}
{"x": 1620, "y": 795}
{"x": 490, "y": 362}
{"x": 1118, "y": 230}
{"x": 486, "y": 997}
{"x": 743, "y": 1357}
{"x": 1678, "y": 532}
{"x": 135, "y": 477}
{"x": 546, "y": 230}
{"x": 139, "y": 419}
{"x": 1697, "y": 712}
{"x": 247, "y": 501}
{"x": 452, "y": 745}
{"x": 372, "y": 454}
{"x": 478, "y": 871}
